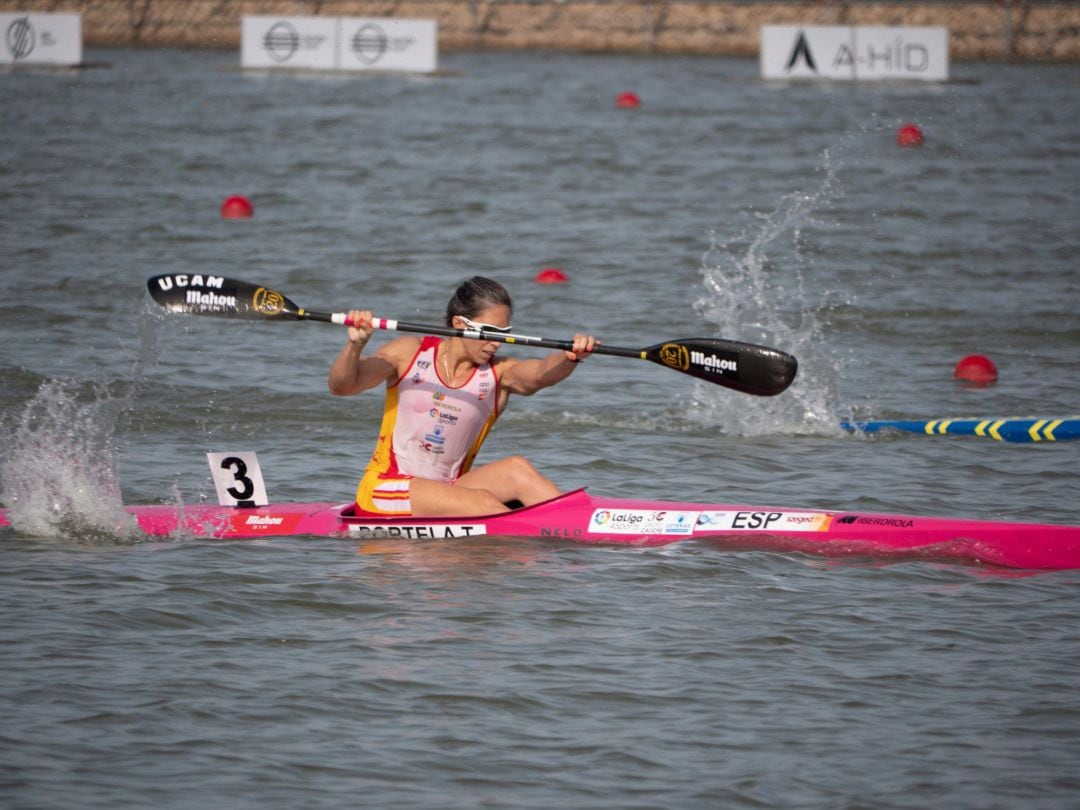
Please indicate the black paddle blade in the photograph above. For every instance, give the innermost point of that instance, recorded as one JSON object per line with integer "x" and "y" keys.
{"x": 199, "y": 294}
{"x": 745, "y": 367}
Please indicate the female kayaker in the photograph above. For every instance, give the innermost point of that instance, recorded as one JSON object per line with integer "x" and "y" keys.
{"x": 442, "y": 397}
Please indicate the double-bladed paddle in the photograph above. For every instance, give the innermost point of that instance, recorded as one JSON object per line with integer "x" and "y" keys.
{"x": 744, "y": 367}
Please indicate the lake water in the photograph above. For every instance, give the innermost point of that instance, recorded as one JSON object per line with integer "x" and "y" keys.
{"x": 512, "y": 673}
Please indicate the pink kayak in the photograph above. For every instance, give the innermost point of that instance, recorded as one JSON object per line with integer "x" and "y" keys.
{"x": 579, "y": 517}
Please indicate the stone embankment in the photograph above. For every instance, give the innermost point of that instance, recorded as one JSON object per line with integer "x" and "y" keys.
{"x": 1000, "y": 29}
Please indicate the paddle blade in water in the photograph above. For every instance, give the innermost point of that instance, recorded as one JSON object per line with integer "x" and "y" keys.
{"x": 745, "y": 367}
{"x": 198, "y": 294}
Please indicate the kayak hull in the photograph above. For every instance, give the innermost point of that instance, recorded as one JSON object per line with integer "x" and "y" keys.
{"x": 579, "y": 517}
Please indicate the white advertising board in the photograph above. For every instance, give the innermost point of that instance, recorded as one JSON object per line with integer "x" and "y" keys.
{"x": 809, "y": 52}
{"x": 901, "y": 53}
{"x": 398, "y": 45}
{"x": 41, "y": 39}
{"x": 288, "y": 42}
{"x": 863, "y": 53}
{"x": 339, "y": 43}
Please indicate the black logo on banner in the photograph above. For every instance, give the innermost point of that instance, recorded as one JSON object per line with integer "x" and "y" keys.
{"x": 21, "y": 38}
{"x": 369, "y": 44}
{"x": 281, "y": 41}
{"x": 802, "y": 48}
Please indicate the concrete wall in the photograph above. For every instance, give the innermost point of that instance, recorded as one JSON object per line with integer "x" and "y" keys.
{"x": 1000, "y": 29}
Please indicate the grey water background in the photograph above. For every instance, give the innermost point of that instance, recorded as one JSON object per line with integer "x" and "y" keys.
{"x": 513, "y": 673}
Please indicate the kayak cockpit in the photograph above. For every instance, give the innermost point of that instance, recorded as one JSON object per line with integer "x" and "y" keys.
{"x": 573, "y": 499}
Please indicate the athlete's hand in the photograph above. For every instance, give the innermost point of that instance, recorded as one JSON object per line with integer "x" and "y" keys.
{"x": 361, "y": 328}
{"x": 583, "y": 346}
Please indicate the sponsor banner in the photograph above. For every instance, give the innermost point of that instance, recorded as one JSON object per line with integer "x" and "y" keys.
{"x": 901, "y": 53}
{"x": 398, "y": 45}
{"x": 339, "y": 43}
{"x": 418, "y": 531}
{"x": 41, "y": 39}
{"x": 864, "y": 53}
{"x": 762, "y": 520}
{"x": 288, "y": 42}
{"x": 806, "y": 52}
{"x": 642, "y": 521}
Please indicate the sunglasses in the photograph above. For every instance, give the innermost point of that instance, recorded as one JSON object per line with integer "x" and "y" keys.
{"x": 485, "y": 327}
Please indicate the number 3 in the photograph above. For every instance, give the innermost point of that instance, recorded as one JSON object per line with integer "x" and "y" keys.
{"x": 239, "y": 472}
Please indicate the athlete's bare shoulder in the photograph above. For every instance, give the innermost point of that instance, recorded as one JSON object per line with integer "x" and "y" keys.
{"x": 502, "y": 363}
{"x": 400, "y": 351}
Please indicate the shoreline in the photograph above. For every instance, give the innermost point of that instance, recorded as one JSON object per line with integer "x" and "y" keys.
{"x": 1013, "y": 30}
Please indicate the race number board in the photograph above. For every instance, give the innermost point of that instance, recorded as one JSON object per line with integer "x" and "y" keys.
{"x": 238, "y": 479}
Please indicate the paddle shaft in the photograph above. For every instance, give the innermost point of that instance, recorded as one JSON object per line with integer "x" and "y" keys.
{"x": 745, "y": 367}
{"x": 390, "y": 325}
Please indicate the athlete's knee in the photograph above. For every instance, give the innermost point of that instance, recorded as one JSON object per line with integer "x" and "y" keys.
{"x": 520, "y": 467}
{"x": 521, "y": 481}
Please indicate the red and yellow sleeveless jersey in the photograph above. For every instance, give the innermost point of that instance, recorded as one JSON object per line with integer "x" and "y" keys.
{"x": 429, "y": 430}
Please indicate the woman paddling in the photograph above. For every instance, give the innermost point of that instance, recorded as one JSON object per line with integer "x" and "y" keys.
{"x": 442, "y": 397}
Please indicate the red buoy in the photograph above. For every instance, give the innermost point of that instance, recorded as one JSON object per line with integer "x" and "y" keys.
{"x": 551, "y": 275}
{"x": 976, "y": 368}
{"x": 909, "y": 135}
{"x": 628, "y": 101}
{"x": 236, "y": 207}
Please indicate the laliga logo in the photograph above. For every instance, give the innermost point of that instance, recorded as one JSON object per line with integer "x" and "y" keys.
{"x": 675, "y": 355}
{"x": 268, "y": 302}
{"x": 602, "y": 518}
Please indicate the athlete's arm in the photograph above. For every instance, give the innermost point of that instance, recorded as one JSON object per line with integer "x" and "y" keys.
{"x": 353, "y": 372}
{"x": 529, "y": 376}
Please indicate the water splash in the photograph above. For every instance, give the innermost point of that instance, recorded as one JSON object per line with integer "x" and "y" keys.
{"x": 59, "y": 476}
{"x": 756, "y": 292}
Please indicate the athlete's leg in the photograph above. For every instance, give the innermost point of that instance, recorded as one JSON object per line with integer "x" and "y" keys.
{"x": 510, "y": 479}
{"x": 436, "y": 499}
{"x": 482, "y": 491}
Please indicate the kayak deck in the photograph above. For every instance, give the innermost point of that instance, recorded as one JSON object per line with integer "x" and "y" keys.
{"x": 577, "y": 516}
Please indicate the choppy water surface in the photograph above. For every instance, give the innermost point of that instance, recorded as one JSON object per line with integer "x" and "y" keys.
{"x": 322, "y": 673}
